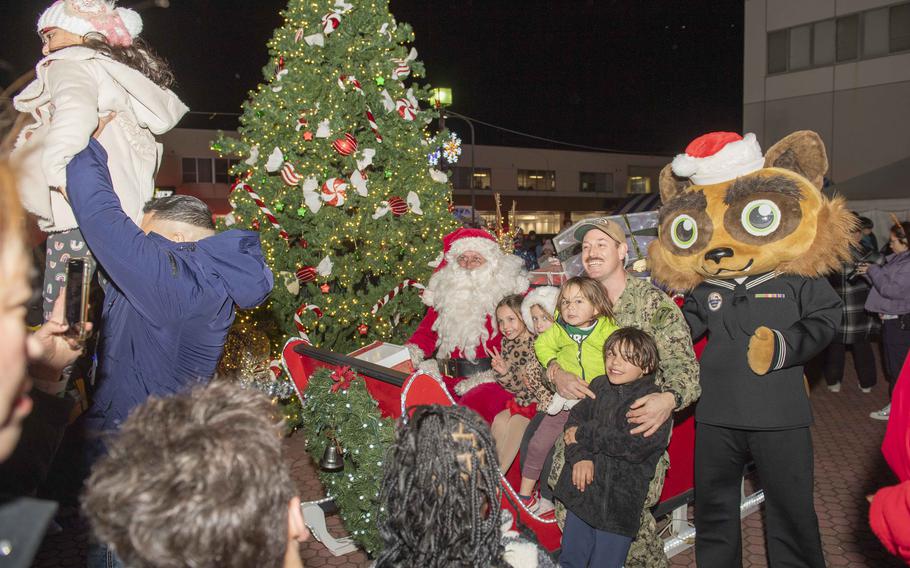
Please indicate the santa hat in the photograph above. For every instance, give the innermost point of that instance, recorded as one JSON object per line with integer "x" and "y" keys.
{"x": 718, "y": 157}
{"x": 462, "y": 240}
{"x": 543, "y": 296}
{"x": 118, "y": 25}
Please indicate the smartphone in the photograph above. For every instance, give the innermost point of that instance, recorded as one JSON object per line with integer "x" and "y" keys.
{"x": 78, "y": 275}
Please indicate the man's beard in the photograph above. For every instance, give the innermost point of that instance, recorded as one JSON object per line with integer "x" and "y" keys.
{"x": 464, "y": 299}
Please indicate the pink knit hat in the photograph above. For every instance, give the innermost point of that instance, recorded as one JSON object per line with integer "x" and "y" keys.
{"x": 118, "y": 25}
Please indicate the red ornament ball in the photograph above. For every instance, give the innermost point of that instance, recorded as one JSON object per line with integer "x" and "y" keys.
{"x": 306, "y": 274}
{"x": 346, "y": 145}
{"x": 363, "y": 329}
{"x": 398, "y": 206}
{"x": 303, "y": 243}
{"x": 325, "y": 288}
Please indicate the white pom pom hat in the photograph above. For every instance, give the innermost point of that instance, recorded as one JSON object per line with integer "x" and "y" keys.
{"x": 119, "y": 25}
{"x": 543, "y": 296}
{"x": 718, "y": 157}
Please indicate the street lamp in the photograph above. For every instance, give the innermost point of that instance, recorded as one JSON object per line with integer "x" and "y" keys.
{"x": 442, "y": 98}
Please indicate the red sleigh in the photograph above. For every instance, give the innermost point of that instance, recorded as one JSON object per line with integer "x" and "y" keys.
{"x": 395, "y": 392}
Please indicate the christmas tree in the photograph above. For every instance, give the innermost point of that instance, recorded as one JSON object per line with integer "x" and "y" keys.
{"x": 336, "y": 177}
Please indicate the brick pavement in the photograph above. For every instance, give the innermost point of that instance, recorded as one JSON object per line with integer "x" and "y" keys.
{"x": 848, "y": 465}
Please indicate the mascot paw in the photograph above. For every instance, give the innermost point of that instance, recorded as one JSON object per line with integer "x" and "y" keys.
{"x": 761, "y": 350}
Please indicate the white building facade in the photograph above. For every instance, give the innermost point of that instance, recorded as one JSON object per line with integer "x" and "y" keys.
{"x": 842, "y": 69}
{"x": 549, "y": 187}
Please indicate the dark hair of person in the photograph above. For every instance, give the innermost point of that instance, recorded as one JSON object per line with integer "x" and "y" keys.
{"x": 440, "y": 493}
{"x": 195, "y": 479}
{"x": 592, "y": 290}
{"x": 635, "y": 346}
{"x": 138, "y": 56}
{"x": 182, "y": 208}
{"x": 513, "y": 302}
{"x": 865, "y": 223}
{"x": 902, "y": 231}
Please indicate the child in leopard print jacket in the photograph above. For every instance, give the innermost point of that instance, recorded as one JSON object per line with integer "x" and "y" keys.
{"x": 519, "y": 372}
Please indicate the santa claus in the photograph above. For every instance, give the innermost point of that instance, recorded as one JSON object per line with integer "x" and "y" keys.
{"x": 459, "y": 331}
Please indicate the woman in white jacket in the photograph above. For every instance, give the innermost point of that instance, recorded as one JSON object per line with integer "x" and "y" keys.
{"x": 93, "y": 66}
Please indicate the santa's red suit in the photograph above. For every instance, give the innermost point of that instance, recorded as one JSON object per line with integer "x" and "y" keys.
{"x": 459, "y": 329}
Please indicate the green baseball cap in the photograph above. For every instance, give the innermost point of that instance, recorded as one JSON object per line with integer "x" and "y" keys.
{"x": 608, "y": 227}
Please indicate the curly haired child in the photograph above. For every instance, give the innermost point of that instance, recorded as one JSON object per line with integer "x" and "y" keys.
{"x": 441, "y": 497}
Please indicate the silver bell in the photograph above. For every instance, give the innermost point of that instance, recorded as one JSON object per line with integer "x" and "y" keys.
{"x": 332, "y": 459}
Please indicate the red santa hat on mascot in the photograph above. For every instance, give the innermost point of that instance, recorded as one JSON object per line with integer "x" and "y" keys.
{"x": 718, "y": 157}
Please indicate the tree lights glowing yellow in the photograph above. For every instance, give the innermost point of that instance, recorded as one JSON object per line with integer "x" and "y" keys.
{"x": 303, "y": 90}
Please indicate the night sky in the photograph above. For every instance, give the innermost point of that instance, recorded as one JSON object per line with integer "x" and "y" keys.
{"x": 633, "y": 75}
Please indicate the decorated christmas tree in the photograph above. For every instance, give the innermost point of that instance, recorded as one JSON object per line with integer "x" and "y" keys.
{"x": 336, "y": 177}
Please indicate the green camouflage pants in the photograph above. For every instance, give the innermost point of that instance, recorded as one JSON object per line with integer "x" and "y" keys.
{"x": 647, "y": 550}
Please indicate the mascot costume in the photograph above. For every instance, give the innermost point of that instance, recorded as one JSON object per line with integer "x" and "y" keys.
{"x": 749, "y": 236}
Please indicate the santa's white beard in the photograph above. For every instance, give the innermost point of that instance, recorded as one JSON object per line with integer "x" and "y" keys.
{"x": 465, "y": 298}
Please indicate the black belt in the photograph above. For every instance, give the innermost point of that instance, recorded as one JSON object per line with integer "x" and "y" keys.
{"x": 466, "y": 368}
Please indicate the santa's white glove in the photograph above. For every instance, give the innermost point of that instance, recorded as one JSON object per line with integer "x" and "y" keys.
{"x": 430, "y": 367}
{"x": 416, "y": 354}
{"x": 558, "y": 403}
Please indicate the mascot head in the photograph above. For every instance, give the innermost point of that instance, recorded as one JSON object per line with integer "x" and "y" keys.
{"x": 729, "y": 212}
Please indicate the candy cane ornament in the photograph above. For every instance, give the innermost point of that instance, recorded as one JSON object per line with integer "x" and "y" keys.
{"x": 373, "y": 126}
{"x": 349, "y": 80}
{"x": 289, "y": 174}
{"x": 301, "y": 329}
{"x": 261, "y": 204}
{"x": 406, "y": 283}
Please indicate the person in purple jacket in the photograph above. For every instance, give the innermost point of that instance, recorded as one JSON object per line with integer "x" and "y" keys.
{"x": 890, "y": 298}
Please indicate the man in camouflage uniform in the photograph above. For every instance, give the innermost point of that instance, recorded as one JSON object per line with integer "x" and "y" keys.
{"x": 637, "y": 303}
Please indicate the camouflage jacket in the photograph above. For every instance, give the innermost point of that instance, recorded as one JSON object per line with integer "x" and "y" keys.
{"x": 644, "y": 306}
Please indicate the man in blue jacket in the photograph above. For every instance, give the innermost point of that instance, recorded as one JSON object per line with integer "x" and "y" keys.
{"x": 174, "y": 285}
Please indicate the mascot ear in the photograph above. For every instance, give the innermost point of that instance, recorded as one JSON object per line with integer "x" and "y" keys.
{"x": 670, "y": 185}
{"x": 802, "y": 152}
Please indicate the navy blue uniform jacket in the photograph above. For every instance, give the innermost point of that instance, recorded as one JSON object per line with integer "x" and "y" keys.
{"x": 168, "y": 306}
{"x": 802, "y": 313}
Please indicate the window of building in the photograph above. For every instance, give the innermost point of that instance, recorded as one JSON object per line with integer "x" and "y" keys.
{"x": 537, "y": 180}
{"x": 222, "y": 166}
{"x": 207, "y": 170}
{"x": 823, "y": 42}
{"x": 848, "y": 38}
{"x": 638, "y": 184}
{"x": 899, "y": 27}
{"x": 777, "y": 51}
{"x": 596, "y": 182}
{"x": 875, "y": 32}
{"x": 800, "y": 48}
{"x": 481, "y": 179}
{"x": 188, "y": 166}
{"x": 541, "y": 222}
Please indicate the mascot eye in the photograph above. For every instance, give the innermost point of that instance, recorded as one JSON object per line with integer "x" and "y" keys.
{"x": 761, "y": 217}
{"x": 684, "y": 231}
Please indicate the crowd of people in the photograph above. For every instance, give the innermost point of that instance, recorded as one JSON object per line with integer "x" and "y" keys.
{"x": 580, "y": 382}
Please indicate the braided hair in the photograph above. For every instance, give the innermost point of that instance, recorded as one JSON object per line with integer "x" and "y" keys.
{"x": 441, "y": 493}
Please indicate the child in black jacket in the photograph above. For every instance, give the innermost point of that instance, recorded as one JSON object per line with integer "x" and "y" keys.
{"x": 604, "y": 490}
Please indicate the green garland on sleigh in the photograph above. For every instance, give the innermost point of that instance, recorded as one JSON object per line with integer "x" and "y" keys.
{"x": 338, "y": 407}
